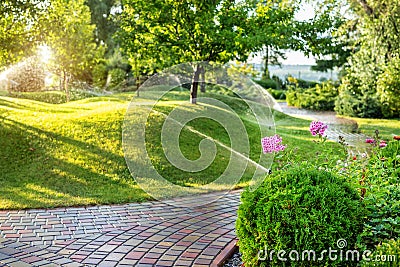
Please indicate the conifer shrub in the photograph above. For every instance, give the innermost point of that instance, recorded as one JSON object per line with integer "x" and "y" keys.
{"x": 300, "y": 208}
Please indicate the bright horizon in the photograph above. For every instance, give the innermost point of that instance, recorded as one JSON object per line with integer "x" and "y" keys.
{"x": 306, "y": 12}
{"x": 293, "y": 58}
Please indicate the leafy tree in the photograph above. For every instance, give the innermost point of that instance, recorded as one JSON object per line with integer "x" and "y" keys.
{"x": 70, "y": 36}
{"x": 102, "y": 18}
{"x": 275, "y": 20}
{"x": 370, "y": 83}
{"x": 316, "y": 36}
{"x": 271, "y": 57}
{"x": 337, "y": 53}
{"x": 157, "y": 34}
{"x": 329, "y": 34}
{"x": 18, "y": 31}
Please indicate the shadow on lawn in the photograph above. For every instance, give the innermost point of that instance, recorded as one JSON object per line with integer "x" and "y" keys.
{"x": 34, "y": 177}
{"x": 11, "y": 104}
{"x": 38, "y": 106}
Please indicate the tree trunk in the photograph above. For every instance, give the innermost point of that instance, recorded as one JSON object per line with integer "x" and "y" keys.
{"x": 195, "y": 85}
{"x": 367, "y": 8}
{"x": 137, "y": 85}
{"x": 137, "y": 76}
{"x": 203, "y": 81}
{"x": 265, "y": 74}
{"x": 65, "y": 85}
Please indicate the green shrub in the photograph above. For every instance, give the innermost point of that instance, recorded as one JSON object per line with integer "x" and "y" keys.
{"x": 292, "y": 81}
{"x": 300, "y": 208}
{"x": 388, "y": 89}
{"x": 320, "y": 97}
{"x": 52, "y": 97}
{"x": 279, "y": 82}
{"x": 382, "y": 197}
{"x": 99, "y": 75}
{"x": 386, "y": 255}
{"x": 273, "y": 87}
{"x": 116, "y": 77}
{"x": 357, "y": 104}
{"x": 267, "y": 83}
{"x": 277, "y": 94}
{"x": 357, "y": 92}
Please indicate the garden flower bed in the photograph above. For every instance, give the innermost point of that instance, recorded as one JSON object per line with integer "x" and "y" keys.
{"x": 309, "y": 210}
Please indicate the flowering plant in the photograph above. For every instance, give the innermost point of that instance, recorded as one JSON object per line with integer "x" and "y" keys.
{"x": 318, "y": 128}
{"x": 374, "y": 173}
{"x": 272, "y": 144}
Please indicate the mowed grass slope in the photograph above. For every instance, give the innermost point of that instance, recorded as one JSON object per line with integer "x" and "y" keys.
{"x": 62, "y": 155}
{"x": 71, "y": 154}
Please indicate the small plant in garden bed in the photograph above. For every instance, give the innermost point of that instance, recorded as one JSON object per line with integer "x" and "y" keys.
{"x": 387, "y": 253}
{"x": 377, "y": 177}
{"x": 382, "y": 193}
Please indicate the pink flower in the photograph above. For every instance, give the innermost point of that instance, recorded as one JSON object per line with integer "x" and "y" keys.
{"x": 370, "y": 141}
{"x": 318, "y": 127}
{"x": 382, "y": 144}
{"x": 272, "y": 144}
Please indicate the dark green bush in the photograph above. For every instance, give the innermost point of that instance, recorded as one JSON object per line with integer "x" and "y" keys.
{"x": 279, "y": 82}
{"x": 277, "y": 94}
{"x": 99, "y": 75}
{"x": 267, "y": 83}
{"x": 388, "y": 89}
{"x": 300, "y": 209}
{"x": 52, "y": 97}
{"x": 272, "y": 87}
{"x": 357, "y": 104}
{"x": 116, "y": 77}
{"x": 290, "y": 80}
{"x": 320, "y": 97}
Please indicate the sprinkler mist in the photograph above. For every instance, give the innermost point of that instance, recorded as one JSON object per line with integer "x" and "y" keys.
{"x": 30, "y": 74}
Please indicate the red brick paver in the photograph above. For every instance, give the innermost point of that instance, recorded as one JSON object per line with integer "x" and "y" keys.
{"x": 146, "y": 234}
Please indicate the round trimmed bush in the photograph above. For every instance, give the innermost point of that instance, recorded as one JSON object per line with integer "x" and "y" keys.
{"x": 300, "y": 208}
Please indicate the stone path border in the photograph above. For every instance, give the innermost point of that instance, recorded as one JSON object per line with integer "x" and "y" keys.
{"x": 146, "y": 234}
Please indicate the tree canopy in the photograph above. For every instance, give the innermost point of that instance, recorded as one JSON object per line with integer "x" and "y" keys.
{"x": 17, "y": 28}
{"x": 70, "y": 35}
{"x": 369, "y": 87}
{"x": 163, "y": 33}
{"x": 103, "y": 42}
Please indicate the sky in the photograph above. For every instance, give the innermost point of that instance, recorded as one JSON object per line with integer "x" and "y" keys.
{"x": 306, "y": 12}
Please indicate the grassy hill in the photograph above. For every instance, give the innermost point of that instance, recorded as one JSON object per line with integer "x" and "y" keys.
{"x": 71, "y": 154}
{"x": 67, "y": 154}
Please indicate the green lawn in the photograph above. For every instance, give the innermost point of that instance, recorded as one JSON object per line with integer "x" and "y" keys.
{"x": 387, "y": 128}
{"x": 71, "y": 154}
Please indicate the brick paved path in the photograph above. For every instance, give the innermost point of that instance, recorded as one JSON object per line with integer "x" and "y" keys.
{"x": 146, "y": 234}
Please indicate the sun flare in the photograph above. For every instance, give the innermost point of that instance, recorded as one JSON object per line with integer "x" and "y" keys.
{"x": 45, "y": 53}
